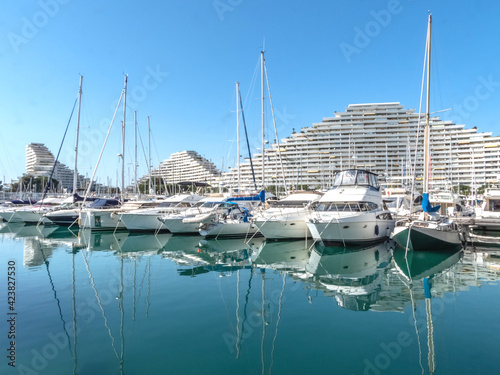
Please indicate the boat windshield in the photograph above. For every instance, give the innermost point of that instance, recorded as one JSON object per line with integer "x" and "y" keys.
{"x": 347, "y": 206}
{"x": 353, "y": 177}
{"x": 209, "y": 204}
{"x": 175, "y": 204}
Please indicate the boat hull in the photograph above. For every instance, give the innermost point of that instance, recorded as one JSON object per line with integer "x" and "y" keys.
{"x": 30, "y": 217}
{"x": 282, "y": 230}
{"x": 144, "y": 222}
{"x": 100, "y": 220}
{"x": 63, "y": 217}
{"x": 177, "y": 226}
{"x": 233, "y": 230}
{"x": 426, "y": 239}
{"x": 9, "y": 216}
{"x": 355, "y": 230}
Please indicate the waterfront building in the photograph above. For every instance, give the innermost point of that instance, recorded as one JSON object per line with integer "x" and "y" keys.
{"x": 381, "y": 138}
{"x": 40, "y": 161}
{"x": 185, "y": 166}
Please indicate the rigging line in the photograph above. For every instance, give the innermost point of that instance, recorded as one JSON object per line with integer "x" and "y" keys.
{"x": 58, "y": 152}
{"x": 416, "y": 329}
{"x": 55, "y": 296}
{"x": 418, "y": 130}
{"x": 276, "y": 131}
{"x": 234, "y": 136}
{"x": 277, "y": 322}
{"x": 248, "y": 144}
{"x": 246, "y": 304}
{"x": 218, "y": 282}
{"x": 149, "y": 286}
{"x": 253, "y": 81}
{"x": 238, "y": 315}
{"x": 430, "y": 336}
{"x": 102, "y": 150}
{"x": 135, "y": 279}
{"x": 413, "y": 308}
{"x": 263, "y": 320}
{"x": 122, "y": 315}
{"x": 160, "y": 169}
{"x": 92, "y": 283}
{"x": 143, "y": 150}
{"x": 142, "y": 283}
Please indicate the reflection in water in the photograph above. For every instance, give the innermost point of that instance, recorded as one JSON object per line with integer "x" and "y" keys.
{"x": 123, "y": 279}
{"x": 101, "y": 241}
{"x": 26, "y": 230}
{"x": 353, "y": 275}
{"x": 424, "y": 266}
{"x": 288, "y": 256}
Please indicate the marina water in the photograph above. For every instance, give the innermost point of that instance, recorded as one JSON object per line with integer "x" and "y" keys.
{"x": 122, "y": 303}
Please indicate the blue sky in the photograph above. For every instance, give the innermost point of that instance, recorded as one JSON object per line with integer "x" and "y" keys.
{"x": 184, "y": 57}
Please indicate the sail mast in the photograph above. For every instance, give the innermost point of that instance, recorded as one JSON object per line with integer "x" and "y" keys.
{"x": 149, "y": 159}
{"x": 135, "y": 144}
{"x": 75, "y": 175}
{"x": 263, "y": 134}
{"x": 238, "y": 131}
{"x": 123, "y": 136}
{"x": 427, "y": 115}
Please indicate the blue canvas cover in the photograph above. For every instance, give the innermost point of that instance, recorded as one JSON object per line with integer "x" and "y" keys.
{"x": 259, "y": 197}
{"x": 426, "y": 205}
{"x": 104, "y": 203}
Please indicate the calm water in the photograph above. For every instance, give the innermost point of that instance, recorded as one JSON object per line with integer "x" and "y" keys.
{"x": 104, "y": 303}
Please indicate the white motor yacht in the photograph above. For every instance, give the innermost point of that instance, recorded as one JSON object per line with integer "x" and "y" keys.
{"x": 183, "y": 223}
{"x": 105, "y": 214}
{"x": 351, "y": 212}
{"x": 35, "y": 214}
{"x": 146, "y": 220}
{"x": 285, "y": 219}
{"x": 8, "y": 209}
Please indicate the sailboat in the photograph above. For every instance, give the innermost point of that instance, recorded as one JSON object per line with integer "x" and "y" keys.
{"x": 430, "y": 231}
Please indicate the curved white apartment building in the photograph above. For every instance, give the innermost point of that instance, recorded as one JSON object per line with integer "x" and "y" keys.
{"x": 379, "y": 137}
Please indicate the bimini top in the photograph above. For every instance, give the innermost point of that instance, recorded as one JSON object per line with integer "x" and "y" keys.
{"x": 104, "y": 203}
{"x": 355, "y": 177}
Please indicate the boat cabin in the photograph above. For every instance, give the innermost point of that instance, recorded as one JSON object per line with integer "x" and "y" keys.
{"x": 355, "y": 177}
